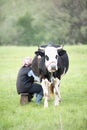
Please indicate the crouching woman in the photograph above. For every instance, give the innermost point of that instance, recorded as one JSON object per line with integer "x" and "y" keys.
{"x": 25, "y": 84}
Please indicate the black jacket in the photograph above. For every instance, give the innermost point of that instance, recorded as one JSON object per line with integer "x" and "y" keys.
{"x": 24, "y": 82}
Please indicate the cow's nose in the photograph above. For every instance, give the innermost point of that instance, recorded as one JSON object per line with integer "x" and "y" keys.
{"x": 53, "y": 67}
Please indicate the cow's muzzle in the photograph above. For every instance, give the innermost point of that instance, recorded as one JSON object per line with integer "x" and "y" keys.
{"x": 52, "y": 67}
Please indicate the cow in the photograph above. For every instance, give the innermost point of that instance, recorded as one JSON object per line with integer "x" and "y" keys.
{"x": 50, "y": 63}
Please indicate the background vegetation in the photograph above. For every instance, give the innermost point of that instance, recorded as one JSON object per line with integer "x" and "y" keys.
{"x": 71, "y": 114}
{"x": 34, "y": 22}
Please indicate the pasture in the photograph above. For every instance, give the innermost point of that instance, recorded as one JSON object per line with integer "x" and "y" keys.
{"x": 71, "y": 114}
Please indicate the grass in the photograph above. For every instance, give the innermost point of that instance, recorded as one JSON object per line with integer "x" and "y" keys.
{"x": 71, "y": 114}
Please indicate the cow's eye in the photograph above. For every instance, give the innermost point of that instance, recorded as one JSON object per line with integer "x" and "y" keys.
{"x": 56, "y": 56}
{"x": 46, "y": 57}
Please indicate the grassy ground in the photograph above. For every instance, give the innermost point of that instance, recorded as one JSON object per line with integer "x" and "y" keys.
{"x": 71, "y": 114}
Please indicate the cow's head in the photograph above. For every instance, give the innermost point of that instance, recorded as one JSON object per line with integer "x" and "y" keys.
{"x": 51, "y": 57}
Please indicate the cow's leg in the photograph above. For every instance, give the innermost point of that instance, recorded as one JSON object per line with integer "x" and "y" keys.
{"x": 45, "y": 85}
{"x": 57, "y": 91}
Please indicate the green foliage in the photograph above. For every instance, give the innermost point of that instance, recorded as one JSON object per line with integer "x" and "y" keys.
{"x": 34, "y": 22}
{"x": 77, "y": 11}
{"x": 72, "y": 111}
{"x": 27, "y": 32}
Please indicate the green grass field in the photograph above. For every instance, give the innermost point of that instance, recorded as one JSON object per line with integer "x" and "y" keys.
{"x": 71, "y": 114}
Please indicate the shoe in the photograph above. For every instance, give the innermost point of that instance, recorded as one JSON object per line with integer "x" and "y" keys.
{"x": 30, "y": 96}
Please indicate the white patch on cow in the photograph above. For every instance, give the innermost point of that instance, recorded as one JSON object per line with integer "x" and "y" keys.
{"x": 57, "y": 91}
{"x": 51, "y": 62}
{"x": 45, "y": 85}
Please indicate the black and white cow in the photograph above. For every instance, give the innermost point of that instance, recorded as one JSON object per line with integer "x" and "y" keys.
{"x": 50, "y": 63}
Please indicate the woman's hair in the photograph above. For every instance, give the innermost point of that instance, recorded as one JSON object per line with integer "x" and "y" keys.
{"x": 27, "y": 61}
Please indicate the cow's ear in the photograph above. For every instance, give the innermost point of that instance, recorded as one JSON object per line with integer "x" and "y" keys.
{"x": 61, "y": 52}
{"x": 39, "y": 53}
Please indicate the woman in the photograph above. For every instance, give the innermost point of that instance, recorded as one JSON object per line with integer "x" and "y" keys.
{"x": 25, "y": 81}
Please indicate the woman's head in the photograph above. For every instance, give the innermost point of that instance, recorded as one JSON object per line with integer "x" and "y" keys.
{"x": 27, "y": 61}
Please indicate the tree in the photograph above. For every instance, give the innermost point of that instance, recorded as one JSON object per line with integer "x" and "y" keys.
{"x": 78, "y": 19}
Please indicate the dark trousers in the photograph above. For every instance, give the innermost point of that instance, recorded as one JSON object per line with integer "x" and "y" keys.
{"x": 36, "y": 88}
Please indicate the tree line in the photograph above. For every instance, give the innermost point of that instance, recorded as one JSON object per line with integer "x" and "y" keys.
{"x": 35, "y": 22}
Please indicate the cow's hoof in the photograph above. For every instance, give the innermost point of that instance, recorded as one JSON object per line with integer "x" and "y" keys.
{"x": 45, "y": 105}
{"x": 56, "y": 103}
{"x": 60, "y": 100}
